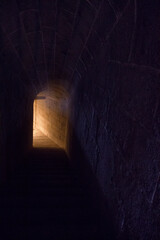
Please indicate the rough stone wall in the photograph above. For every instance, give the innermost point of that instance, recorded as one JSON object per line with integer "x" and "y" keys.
{"x": 15, "y": 119}
{"x": 115, "y": 91}
{"x": 109, "y": 50}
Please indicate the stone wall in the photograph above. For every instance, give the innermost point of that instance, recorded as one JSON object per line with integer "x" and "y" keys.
{"x": 116, "y": 91}
{"x": 108, "y": 53}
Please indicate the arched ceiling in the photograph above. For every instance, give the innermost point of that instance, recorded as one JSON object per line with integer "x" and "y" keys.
{"x": 42, "y": 40}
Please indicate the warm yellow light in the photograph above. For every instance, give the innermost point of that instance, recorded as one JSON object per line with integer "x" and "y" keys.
{"x": 42, "y": 141}
{"x": 50, "y": 119}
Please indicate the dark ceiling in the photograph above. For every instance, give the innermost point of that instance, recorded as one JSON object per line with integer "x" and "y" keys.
{"x": 43, "y": 40}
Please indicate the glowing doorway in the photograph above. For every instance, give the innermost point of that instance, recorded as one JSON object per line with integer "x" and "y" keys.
{"x": 50, "y": 119}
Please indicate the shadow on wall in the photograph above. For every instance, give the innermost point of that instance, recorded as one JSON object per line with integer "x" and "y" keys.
{"x": 80, "y": 163}
{"x": 50, "y": 118}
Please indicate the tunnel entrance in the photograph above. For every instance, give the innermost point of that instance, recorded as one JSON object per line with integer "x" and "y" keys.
{"x": 50, "y": 118}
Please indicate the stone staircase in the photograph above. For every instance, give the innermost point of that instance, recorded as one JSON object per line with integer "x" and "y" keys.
{"x": 47, "y": 199}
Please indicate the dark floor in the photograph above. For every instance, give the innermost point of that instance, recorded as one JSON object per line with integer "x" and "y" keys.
{"x": 47, "y": 199}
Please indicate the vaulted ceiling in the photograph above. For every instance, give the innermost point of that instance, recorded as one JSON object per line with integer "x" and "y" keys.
{"x": 43, "y": 40}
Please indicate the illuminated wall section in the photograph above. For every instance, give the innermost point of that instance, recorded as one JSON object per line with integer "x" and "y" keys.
{"x": 51, "y": 111}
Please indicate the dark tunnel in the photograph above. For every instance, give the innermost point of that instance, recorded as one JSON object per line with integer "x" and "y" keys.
{"x": 79, "y": 119}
